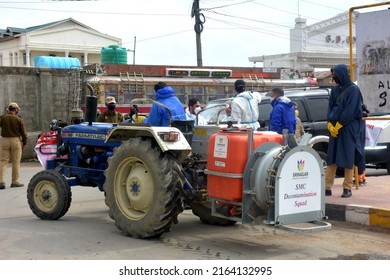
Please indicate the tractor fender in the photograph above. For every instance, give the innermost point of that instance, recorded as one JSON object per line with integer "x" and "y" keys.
{"x": 180, "y": 148}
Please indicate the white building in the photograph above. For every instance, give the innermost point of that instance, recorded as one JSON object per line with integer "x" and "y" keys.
{"x": 321, "y": 45}
{"x": 65, "y": 38}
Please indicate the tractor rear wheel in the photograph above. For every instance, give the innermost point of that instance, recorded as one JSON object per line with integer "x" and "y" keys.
{"x": 49, "y": 195}
{"x": 142, "y": 189}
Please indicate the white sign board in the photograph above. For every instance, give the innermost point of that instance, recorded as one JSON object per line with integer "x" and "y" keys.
{"x": 373, "y": 59}
{"x": 299, "y": 185}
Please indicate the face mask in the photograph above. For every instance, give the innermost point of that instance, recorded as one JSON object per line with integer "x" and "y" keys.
{"x": 197, "y": 110}
{"x": 111, "y": 107}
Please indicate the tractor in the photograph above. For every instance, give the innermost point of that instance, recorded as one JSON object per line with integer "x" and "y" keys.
{"x": 150, "y": 174}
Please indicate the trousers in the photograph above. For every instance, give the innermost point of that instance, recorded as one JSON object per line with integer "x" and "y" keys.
{"x": 10, "y": 149}
{"x": 331, "y": 174}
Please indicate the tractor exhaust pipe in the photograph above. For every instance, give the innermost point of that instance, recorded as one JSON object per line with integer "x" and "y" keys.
{"x": 91, "y": 106}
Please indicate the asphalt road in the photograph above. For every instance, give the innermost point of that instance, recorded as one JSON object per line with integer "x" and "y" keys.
{"x": 87, "y": 233}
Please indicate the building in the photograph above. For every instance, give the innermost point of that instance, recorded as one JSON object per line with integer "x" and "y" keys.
{"x": 321, "y": 45}
{"x": 64, "y": 38}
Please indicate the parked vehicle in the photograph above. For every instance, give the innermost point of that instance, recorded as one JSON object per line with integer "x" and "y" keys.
{"x": 377, "y": 149}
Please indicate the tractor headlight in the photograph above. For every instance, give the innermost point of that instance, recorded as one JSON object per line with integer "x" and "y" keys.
{"x": 171, "y": 136}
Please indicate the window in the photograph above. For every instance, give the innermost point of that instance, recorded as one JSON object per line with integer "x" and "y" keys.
{"x": 196, "y": 92}
{"x": 112, "y": 90}
{"x": 302, "y": 110}
{"x": 318, "y": 108}
{"x": 216, "y": 92}
{"x": 265, "y": 109}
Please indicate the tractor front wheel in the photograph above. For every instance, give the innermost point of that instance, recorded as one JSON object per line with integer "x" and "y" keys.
{"x": 49, "y": 195}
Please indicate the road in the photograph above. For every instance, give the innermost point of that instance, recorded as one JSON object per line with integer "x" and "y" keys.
{"x": 87, "y": 233}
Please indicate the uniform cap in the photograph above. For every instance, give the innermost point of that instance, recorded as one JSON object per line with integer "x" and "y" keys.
{"x": 14, "y": 105}
{"x": 110, "y": 99}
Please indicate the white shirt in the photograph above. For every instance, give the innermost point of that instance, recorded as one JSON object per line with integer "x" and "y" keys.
{"x": 190, "y": 116}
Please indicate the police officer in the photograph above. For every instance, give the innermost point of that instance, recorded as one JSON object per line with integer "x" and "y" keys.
{"x": 14, "y": 139}
{"x": 110, "y": 115}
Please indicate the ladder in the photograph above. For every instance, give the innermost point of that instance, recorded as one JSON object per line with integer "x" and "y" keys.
{"x": 133, "y": 83}
{"x": 254, "y": 82}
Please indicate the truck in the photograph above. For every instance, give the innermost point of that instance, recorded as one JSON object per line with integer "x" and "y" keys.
{"x": 150, "y": 174}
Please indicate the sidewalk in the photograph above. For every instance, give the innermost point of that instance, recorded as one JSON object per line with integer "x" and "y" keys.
{"x": 369, "y": 205}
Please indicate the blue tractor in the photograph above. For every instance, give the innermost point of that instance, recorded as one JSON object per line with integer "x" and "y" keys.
{"x": 137, "y": 167}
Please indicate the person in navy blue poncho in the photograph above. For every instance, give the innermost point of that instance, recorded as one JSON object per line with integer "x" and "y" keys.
{"x": 345, "y": 124}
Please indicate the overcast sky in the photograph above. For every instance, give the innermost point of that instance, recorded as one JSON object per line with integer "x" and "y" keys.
{"x": 164, "y": 29}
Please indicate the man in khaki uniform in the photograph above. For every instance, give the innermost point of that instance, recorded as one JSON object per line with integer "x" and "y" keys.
{"x": 13, "y": 140}
{"x": 110, "y": 115}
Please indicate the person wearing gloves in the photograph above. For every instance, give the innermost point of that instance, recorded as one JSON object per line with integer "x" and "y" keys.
{"x": 283, "y": 113}
{"x": 347, "y": 130}
{"x": 245, "y": 106}
{"x": 159, "y": 116}
{"x": 192, "y": 111}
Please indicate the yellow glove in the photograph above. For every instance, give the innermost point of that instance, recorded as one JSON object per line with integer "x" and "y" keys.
{"x": 338, "y": 126}
{"x": 330, "y": 126}
{"x": 333, "y": 131}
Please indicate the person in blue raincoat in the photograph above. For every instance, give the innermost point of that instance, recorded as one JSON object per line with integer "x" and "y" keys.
{"x": 283, "y": 113}
{"x": 159, "y": 116}
{"x": 345, "y": 124}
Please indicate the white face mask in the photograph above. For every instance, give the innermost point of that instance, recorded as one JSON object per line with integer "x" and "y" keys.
{"x": 197, "y": 110}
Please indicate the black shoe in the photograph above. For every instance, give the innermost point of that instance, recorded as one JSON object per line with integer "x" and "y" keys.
{"x": 346, "y": 193}
{"x": 328, "y": 192}
{"x": 2, "y": 186}
{"x": 16, "y": 185}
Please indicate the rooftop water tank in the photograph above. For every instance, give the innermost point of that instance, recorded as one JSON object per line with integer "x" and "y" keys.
{"x": 113, "y": 55}
{"x": 56, "y": 62}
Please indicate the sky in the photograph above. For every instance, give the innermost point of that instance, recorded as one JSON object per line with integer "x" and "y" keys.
{"x": 162, "y": 31}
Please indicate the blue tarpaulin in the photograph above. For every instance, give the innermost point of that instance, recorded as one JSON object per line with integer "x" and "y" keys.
{"x": 56, "y": 62}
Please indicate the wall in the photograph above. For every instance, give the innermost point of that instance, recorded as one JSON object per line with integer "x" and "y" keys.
{"x": 42, "y": 94}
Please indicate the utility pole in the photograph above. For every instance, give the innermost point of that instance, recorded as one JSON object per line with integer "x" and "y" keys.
{"x": 198, "y": 27}
{"x": 133, "y": 50}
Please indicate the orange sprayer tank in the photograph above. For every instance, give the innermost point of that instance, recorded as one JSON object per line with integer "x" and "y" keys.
{"x": 227, "y": 156}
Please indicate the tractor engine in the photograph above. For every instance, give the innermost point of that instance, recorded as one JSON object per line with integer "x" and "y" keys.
{"x": 87, "y": 152}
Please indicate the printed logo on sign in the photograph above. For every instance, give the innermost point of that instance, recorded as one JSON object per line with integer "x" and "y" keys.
{"x": 301, "y": 167}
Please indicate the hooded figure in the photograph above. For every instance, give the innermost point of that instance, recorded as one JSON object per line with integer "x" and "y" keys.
{"x": 245, "y": 106}
{"x": 347, "y": 141}
{"x": 283, "y": 113}
{"x": 159, "y": 116}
